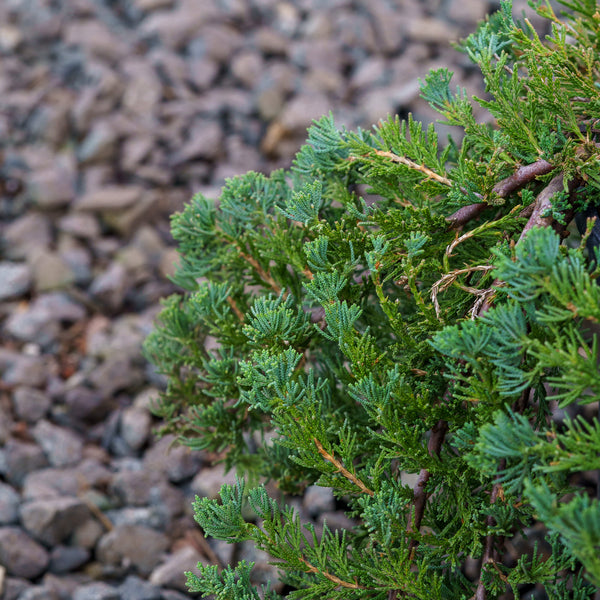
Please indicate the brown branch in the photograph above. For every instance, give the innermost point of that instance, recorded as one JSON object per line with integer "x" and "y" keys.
{"x": 434, "y": 447}
{"x": 337, "y": 580}
{"x": 340, "y": 467}
{"x": 266, "y": 277}
{"x": 543, "y": 203}
{"x": 489, "y": 553}
{"x": 503, "y": 188}
{"x": 234, "y": 307}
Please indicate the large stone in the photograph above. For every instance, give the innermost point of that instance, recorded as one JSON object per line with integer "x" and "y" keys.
{"x": 97, "y": 591}
{"x": 176, "y": 461}
{"x": 26, "y": 234}
{"x": 133, "y": 544}
{"x": 9, "y": 504}
{"x": 52, "y": 520}
{"x": 22, "y": 458}
{"x": 113, "y": 197}
{"x": 30, "y": 404}
{"x": 135, "y": 588}
{"x": 52, "y": 188}
{"x": 15, "y": 280}
{"x": 171, "y": 573}
{"x": 20, "y": 555}
{"x": 62, "y": 446}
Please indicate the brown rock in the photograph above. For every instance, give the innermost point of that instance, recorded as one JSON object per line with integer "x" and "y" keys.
{"x": 113, "y": 197}
{"x": 144, "y": 88}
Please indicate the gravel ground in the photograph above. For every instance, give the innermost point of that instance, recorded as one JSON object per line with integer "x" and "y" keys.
{"x": 112, "y": 114}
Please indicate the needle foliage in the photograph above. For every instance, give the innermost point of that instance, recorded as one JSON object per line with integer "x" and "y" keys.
{"x": 438, "y": 328}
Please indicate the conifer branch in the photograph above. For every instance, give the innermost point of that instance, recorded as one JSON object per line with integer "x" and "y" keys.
{"x": 340, "y": 467}
{"x": 333, "y": 578}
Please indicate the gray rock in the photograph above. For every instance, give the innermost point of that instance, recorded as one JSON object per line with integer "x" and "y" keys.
{"x": 87, "y": 405}
{"x": 14, "y": 587}
{"x": 68, "y": 481}
{"x": 205, "y": 141}
{"x": 301, "y": 110}
{"x": 202, "y": 72}
{"x": 81, "y": 225}
{"x": 135, "y": 588}
{"x": 64, "y": 559}
{"x": 23, "y": 369}
{"x": 9, "y": 504}
{"x": 317, "y": 499}
{"x": 65, "y": 585}
{"x": 152, "y": 517}
{"x": 173, "y": 595}
{"x": 208, "y": 481}
{"x": 110, "y": 286}
{"x": 52, "y": 520}
{"x": 176, "y": 27}
{"x": 135, "y": 149}
{"x": 96, "y": 591}
{"x": 20, "y": 555}
{"x": 177, "y": 462}
{"x": 136, "y": 545}
{"x": 113, "y": 197}
{"x": 87, "y": 534}
{"x": 95, "y": 38}
{"x": 136, "y": 424}
{"x": 30, "y": 404}
{"x": 52, "y": 188}
{"x": 15, "y": 280}
{"x": 22, "y": 458}
{"x": 171, "y": 573}
{"x": 25, "y": 234}
{"x": 144, "y": 88}
{"x": 38, "y": 592}
{"x": 50, "y": 271}
{"x": 247, "y": 67}
{"x": 135, "y": 488}
{"x": 115, "y": 373}
{"x": 62, "y": 446}
{"x": 99, "y": 144}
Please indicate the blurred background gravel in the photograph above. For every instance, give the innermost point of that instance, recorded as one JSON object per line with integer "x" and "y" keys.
{"x": 112, "y": 114}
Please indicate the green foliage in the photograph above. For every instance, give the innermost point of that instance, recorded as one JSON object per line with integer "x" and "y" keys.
{"x": 435, "y": 329}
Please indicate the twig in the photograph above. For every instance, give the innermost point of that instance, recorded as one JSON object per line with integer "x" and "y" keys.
{"x": 337, "y": 580}
{"x": 341, "y": 468}
{"x": 414, "y": 165}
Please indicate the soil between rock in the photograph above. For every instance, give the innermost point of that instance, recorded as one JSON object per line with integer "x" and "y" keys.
{"x": 112, "y": 114}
